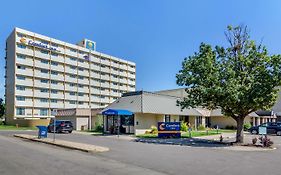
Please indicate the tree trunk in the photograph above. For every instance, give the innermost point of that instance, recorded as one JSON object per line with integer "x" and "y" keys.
{"x": 240, "y": 128}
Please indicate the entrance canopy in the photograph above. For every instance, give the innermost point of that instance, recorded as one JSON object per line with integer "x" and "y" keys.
{"x": 117, "y": 112}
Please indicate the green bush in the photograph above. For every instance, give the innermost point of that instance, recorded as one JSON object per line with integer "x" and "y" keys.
{"x": 154, "y": 130}
{"x": 184, "y": 126}
{"x": 98, "y": 128}
{"x": 247, "y": 126}
{"x": 201, "y": 128}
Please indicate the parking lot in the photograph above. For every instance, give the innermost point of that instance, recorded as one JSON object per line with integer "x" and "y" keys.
{"x": 166, "y": 159}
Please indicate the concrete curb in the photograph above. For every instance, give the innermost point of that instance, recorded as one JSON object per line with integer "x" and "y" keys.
{"x": 65, "y": 144}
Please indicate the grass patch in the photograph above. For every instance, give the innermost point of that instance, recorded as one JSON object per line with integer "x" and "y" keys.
{"x": 12, "y": 127}
{"x": 193, "y": 133}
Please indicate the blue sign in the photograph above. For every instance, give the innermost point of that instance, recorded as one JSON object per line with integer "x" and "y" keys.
{"x": 169, "y": 129}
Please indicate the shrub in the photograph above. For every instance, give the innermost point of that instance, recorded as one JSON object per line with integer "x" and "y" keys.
{"x": 98, "y": 128}
{"x": 247, "y": 126}
{"x": 265, "y": 141}
{"x": 184, "y": 126}
{"x": 201, "y": 127}
{"x": 153, "y": 129}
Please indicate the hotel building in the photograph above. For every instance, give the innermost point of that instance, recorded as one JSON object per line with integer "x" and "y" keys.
{"x": 44, "y": 74}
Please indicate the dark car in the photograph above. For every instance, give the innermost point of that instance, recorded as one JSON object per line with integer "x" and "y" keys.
{"x": 61, "y": 126}
{"x": 271, "y": 128}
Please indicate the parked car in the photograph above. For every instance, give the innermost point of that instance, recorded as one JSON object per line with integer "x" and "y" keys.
{"x": 61, "y": 126}
{"x": 271, "y": 128}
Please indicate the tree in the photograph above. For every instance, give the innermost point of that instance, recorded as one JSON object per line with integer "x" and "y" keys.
{"x": 239, "y": 79}
{"x": 2, "y": 108}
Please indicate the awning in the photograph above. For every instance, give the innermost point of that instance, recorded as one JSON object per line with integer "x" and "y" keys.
{"x": 117, "y": 112}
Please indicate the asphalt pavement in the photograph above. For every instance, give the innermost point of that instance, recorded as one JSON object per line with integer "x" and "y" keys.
{"x": 128, "y": 157}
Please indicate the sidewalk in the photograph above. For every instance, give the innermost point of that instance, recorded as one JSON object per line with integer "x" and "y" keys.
{"x": 65, "y": 144}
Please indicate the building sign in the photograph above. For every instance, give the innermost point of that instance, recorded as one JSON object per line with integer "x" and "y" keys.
{"x": 90, "y": 45}
{"x": 39, "y": 44}
{"x": 169, "y": 129}
{"x": 262, "y": 130}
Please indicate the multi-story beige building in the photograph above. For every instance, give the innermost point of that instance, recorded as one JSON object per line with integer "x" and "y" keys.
{"x": 43, "y": 74}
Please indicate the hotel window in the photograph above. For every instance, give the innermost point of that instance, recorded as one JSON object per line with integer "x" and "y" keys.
{"x": 44, "y": 90}
{"x": 55, "y": 45}
{"x": 71, "y": 93}
{"x": 80, "y": 85}
{"x": 80, "y": 94}
{"x": 72, "y": 85}
{"x": 167, "y": 118}
{"x": 54, "y": 54}
{"x": 54, "y": 72}
{"x": 54, "y": 63}
{"x": 80, "y": 69}
{"x": 81, "y": 61}
{"x": 54, "y": 91}
{"x": 72, "y": 50}
{"x": 20, "y": 35}
{"x": 19, "y": 56}
{"x": 80, "y": 77}
{"x": 73, "y": 67}
{"x": 72, "y": 76}
{"x": 43, "y": 100}
{"x": 45, "y": 71}
{"x": 21, "y": 88}
{"x": 45, "y": 61}
{"x": 72, "y": 59}
{"x": 72, "y": 102}
{"x": 80, "y": 102}
{"x": 44, "y": 42}
{"x": 44, "y": 81}
{"x": 21, "y": 46}
{"x": 43, "y": 112}
{"x": 44, "y": 51}
{"x": 54, "y": 101}
{"x": 21, "y": 67}
{"x": 54, "y": 82}
{"x": 20, "y": 77}
{"x": 20, "y": 98}
{"x": 20, "y": 111}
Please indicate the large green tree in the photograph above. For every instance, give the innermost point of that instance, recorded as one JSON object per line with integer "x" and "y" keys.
{"x": 239, "y": 79}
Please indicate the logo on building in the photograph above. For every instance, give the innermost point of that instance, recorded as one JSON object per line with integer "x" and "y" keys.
{"x": 90, "y": 45}
{"x": 162, "y": 126}
{"x": 23, "y": 40}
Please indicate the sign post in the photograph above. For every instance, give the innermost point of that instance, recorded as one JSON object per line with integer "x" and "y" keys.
{"x": 54, "y": 113}
{"x": 169, "y": 129}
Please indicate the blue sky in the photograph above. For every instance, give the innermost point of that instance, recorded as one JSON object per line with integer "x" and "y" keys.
{"x": 156, "y": 34}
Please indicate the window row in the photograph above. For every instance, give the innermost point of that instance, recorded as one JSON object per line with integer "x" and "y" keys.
{"x": 86, "y": 57}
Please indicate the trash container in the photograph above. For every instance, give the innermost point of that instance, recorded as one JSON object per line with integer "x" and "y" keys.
{"x": 43, "y": 131}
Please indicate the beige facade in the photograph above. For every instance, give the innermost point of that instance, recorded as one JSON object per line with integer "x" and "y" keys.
{"x": 144, "y": 122}
{"x": 43, "y": 74}
{"x": 80, "y": 118}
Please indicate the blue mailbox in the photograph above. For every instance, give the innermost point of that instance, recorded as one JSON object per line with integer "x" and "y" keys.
{"x": 43, "y": 131}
